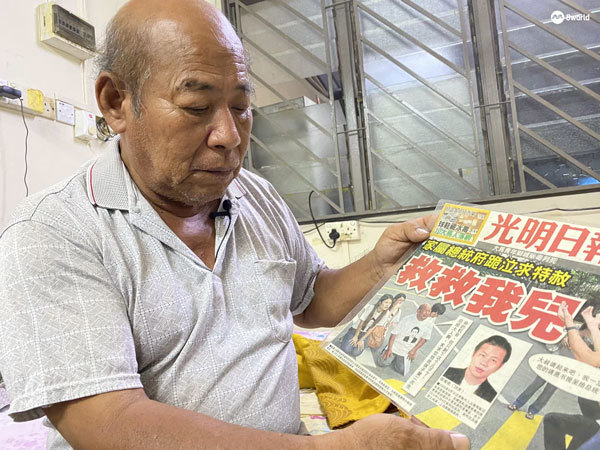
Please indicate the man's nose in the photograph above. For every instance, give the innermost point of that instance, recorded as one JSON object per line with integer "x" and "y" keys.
{"x": 224, "y": 134}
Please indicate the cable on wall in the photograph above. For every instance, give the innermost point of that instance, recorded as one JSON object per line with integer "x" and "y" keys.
{"x": 26, "y": 149}
{"x": 334, "y": 235}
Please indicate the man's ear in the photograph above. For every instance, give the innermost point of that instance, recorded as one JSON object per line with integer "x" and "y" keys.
{"x": 113, "y": 101}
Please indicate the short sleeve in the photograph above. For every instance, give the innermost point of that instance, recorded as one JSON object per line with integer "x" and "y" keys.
{"x": 427, "y": 329}
{"x": 64, "y": 328}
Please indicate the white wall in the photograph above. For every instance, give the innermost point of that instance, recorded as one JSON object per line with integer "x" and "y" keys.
{"x": 53, "y": 151}
{"x": 346, "y": 252}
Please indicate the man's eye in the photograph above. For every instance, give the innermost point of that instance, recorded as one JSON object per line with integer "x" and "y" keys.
{"x": 199, "y": 110}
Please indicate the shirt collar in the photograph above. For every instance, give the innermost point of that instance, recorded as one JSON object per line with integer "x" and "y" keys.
{"x": 107, "y": 179}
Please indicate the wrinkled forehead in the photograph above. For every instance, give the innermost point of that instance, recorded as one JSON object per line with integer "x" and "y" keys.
{"x": 215, "y": 45}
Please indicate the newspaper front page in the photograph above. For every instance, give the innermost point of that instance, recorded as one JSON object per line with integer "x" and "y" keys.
{"x": 469, "y": 333}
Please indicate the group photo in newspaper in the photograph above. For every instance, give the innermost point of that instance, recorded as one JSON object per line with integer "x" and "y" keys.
{"x": 491, "y": 328}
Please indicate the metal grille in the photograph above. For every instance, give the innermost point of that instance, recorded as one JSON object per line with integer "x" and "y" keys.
{"x": 552, "y": 69}
{"x": 294, "y": 142}
{"x": 423, "y": 144}
{"x": 388, "y": 105}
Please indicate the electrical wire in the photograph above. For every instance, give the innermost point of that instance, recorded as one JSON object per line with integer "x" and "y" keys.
{"x": 312, "y": 229}
{"x": 224, "y": 237}
{"x": 315, "y": 222}
{"x": 26, "y": 149}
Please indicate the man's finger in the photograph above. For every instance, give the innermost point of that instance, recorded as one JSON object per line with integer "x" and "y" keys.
{"x": 441, "y": 439}
{"x": 460, "y": 441}
{"x": 420, "y": 228}
{"x": 429, "y": 221}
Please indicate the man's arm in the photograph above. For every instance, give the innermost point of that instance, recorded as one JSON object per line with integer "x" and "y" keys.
{"x": 592, "y": 322}
{"x": 388, "y": 351}
{"x": 413, "y": 353}
{"x": 579, "y": 348}
{"x": 338, "y": 291}
{"x": 581, "y": 351}
{"x": 129, "y": 420}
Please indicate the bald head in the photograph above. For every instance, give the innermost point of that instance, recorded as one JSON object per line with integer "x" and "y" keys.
{"x": 145, "y": 34}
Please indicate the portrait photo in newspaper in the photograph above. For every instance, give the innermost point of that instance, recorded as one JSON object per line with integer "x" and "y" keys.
{"x": 478, "y": 373}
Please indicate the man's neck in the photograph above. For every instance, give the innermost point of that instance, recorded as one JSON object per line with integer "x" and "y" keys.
{"x": 190, "y": 223}
{"x": 196, "y": 232}
{"x": 469, "y": 379}
{"x": 182, "y": 215}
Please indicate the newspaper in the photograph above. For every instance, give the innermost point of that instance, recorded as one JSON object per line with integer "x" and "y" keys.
{"x": 468, "y": 333}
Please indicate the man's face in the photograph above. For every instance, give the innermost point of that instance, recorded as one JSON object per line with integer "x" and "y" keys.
{"x": 485, "y": 361}
{"x": 189, "y": 141}
{"x": 424, "y": 311}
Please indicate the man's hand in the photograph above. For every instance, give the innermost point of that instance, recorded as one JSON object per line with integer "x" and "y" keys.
{"x": 398, "y": 238}
{"x": 385, "y": 431}
{"x": 412, "y": 354}
{"x": 565, "y": 315}
{"x": 591, "y": 320}
{"x": 387, "y": 353}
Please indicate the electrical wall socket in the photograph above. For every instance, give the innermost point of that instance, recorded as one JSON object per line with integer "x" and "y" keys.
{"x": 65, "y": 112}
{"x": 348, "y": 230}
{"x": 34, "y": 101}
{"x": 49, "y": 111}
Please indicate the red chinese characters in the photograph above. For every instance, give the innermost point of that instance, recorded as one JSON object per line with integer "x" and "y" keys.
{"x": 453, "y": 284}
{"x": 593, "y": 248}
{"x": 504, "y": 226}
{"x": 500, "y": 300}
{"x": 418, "y": 271}
{"x": 538, "y": 314}
{"x": 540, "y": 235}
{"x": 495, "y": 298}
{"x": 545, "y": 236}
{"x": 574, "y": 240}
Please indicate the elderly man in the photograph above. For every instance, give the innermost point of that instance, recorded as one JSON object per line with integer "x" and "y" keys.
{"x": 414, "y": 331}
{"x": 131, "y": 315}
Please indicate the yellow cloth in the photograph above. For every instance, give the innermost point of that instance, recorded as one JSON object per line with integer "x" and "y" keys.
{"x": 343, "y": 395}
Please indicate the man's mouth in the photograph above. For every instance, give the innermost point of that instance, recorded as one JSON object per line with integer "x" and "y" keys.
{"x": 221, "y": 172}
